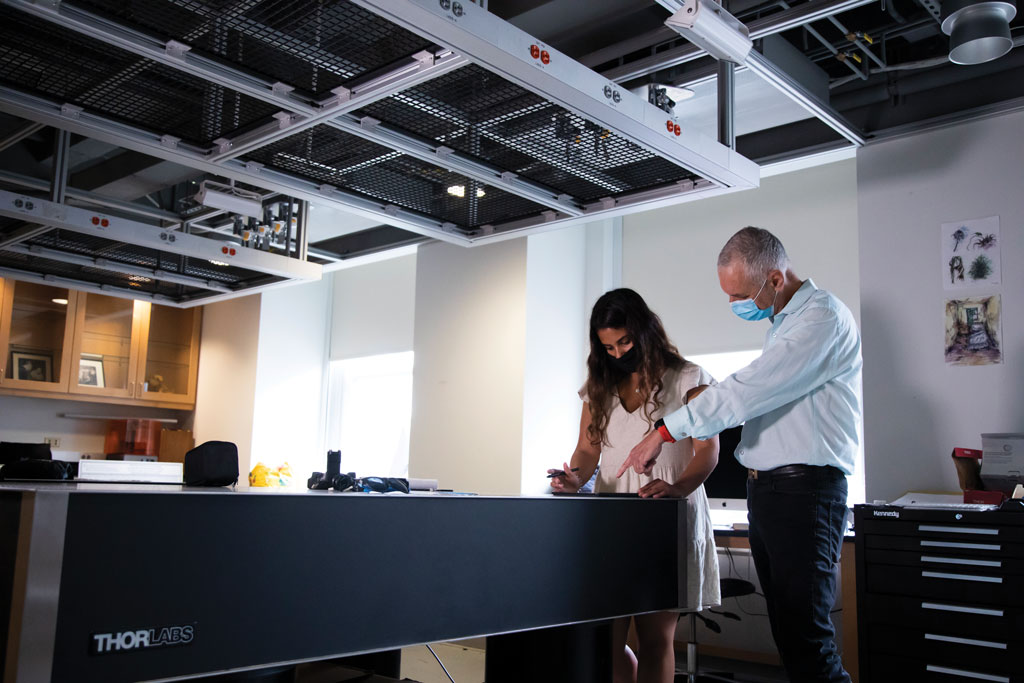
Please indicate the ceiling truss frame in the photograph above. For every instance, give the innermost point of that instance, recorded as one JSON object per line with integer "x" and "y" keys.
{"x": 790, "y": 87}
{"x": 506, "y": 50}
{"x": 221, "y": 160}
{"x": 84, "y": 221}
{"x": 800, "y": 15}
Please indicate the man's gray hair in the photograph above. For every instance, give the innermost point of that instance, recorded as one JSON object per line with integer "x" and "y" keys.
{"x": 757, "y": 249}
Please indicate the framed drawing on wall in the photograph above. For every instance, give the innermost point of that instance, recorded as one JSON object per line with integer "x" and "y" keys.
{"x": 90, "y": 372}
{"x": 35, "y": 367}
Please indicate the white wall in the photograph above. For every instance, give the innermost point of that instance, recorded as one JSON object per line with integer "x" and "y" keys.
{"x": 669, "y": 255}
{"x": 918, "y": 408}
{"x": 291, "y": 366}
{"x": 556, "y": 347}
{"x": 226, "y": 390}
{"x": 467, "y": 422}
{"x": 374, "y": 309}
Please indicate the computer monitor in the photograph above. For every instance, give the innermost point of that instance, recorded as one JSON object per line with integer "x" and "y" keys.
{"x": 726, "y": 488}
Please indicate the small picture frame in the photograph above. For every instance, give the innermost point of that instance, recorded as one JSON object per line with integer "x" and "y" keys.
{"x": 34, "y": 367}
{"x": 90, "y": 372}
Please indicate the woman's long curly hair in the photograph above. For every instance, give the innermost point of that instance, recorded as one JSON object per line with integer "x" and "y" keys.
{"x": 625, "y": 309}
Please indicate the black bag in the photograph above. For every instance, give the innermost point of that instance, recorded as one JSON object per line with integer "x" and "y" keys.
{"x": 214, "y": 463}
{"x": 38, "y": 469}
{"x": 11, "y": 452}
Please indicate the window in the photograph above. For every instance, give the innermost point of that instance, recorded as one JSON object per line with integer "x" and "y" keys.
{"x": 369, "y": 412}
{"x": 721, "y": 365}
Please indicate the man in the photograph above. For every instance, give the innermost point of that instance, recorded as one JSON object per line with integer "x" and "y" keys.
{"x": 801, "y": 402}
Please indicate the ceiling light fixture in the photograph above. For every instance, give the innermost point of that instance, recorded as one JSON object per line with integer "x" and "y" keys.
{"x": 219, "y": 263}
{"x": 229, "y": 198}
{"x": 460, "y": 191}
{"x": 62, "y": 302}
{"x": 707, "y": 25}
{"x": 678, "y": 93}
{"x": 978, "y": 31}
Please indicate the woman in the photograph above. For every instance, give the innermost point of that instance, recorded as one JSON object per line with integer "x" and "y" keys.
{"x": 635, "y": 376}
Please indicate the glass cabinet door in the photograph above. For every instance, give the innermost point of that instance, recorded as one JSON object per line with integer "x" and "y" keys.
{"x": 169, "y": 355}
{"x": 106, "y": 343}
{"x": 35, "y": 336}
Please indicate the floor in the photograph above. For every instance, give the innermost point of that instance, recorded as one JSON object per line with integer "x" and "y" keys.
{"x": 466, "y": 665}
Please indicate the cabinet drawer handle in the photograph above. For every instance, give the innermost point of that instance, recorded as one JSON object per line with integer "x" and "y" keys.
{"x": 961, "y": 577}
{"x": 967, "y": 674}
{"x": 961, "y": 560}
{"x": 966, "y": 641}
{"x": 966, "y": 610}
{"x": 958, "y": 529}
{"x": 965, "y": 546}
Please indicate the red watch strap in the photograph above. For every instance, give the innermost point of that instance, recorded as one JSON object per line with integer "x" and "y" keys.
{"x": 665, "y": 434}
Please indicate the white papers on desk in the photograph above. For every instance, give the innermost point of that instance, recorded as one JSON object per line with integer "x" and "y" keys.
{"x": 912, "y": 498}
{"x": 942, "y": 501}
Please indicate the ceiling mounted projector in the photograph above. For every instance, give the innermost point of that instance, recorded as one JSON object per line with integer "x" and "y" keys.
{"x": 707, "y": 25}
{"x": 229, "y": 198}
{"x": 978, "y": 31}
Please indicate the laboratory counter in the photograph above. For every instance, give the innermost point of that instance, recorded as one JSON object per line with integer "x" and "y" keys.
{"x": 123, "y": 582}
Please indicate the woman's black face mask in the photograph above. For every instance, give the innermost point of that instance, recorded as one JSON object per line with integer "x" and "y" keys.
{"x": 627, "y": 362}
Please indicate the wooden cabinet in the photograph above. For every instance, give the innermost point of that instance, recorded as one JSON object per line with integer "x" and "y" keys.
{"x": 36, "y": 326}
{"x": 105, "y": 345}
{"x": 169, "y": 354}
{"x": 92, "y": 347}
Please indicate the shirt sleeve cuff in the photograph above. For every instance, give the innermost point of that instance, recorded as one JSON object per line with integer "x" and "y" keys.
{"x": 679, "y": 424}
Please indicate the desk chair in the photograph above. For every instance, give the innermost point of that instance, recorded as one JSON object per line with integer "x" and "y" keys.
{"x": 731, "y": 588}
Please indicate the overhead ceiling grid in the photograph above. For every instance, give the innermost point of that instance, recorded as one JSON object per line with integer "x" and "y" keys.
{"x": 430, "y": 119}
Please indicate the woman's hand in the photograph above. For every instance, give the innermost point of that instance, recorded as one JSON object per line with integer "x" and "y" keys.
{"x": 659, "y": 488}
{"x": 567, "y": 482}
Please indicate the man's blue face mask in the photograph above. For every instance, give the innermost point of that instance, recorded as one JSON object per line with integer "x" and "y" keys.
{"x": 748, "y": 310}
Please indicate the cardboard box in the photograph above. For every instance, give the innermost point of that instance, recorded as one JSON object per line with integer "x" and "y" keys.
{"x": 175, "y": 443}
{"x": 968, "y": 463}
{"x": 1002, "y": 462}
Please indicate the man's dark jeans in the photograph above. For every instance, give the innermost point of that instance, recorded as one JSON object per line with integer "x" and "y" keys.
{"x": 796, "y": 533}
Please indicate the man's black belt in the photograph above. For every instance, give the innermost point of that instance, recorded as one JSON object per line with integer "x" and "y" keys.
{"x": 793, "y": 471}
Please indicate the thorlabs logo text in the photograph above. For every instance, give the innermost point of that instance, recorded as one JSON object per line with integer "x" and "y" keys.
{"x": 141, "y": 639}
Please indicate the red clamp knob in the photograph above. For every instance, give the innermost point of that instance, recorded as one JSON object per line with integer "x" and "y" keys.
{"x": 534, "y": 51}
{"x": 545, "y": 57}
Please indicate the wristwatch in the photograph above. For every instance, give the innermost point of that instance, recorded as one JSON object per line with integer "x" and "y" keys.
{"x": 663, "y": 430}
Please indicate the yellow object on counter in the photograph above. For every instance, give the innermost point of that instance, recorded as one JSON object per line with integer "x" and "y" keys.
{"x": 261, "y": 475}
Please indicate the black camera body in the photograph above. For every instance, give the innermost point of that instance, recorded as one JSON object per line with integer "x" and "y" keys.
{"x": 334, "y": 479}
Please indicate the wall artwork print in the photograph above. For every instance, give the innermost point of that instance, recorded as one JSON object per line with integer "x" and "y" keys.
{"x": 973, "y": 331}
{"x": 970, "y": 253}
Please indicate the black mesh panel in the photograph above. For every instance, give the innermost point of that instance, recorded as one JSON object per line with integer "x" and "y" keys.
{"x": 487, "y": 117}
{"x": 43, "y": 266}
{"x": 327, "y": 155}
{"x": 313, "y": 46}
{"x": 67, "y": 67}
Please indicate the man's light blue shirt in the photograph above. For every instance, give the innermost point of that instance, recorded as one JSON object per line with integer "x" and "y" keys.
{"x": 801, "y": 400}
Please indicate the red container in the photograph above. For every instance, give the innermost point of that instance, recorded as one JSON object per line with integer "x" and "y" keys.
{"x": 134, "y": 436}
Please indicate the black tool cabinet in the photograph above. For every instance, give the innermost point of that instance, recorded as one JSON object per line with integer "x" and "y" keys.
{"x": 940, "y": 594}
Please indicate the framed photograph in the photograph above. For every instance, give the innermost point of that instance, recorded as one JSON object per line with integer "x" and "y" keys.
{"x": 90, "y": 372}
{"x": 35, "y": 367}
